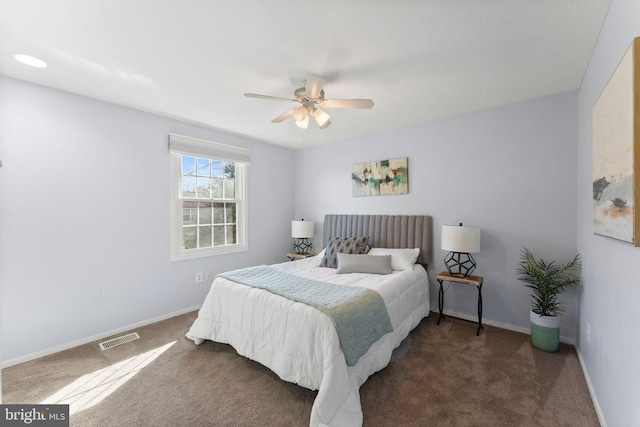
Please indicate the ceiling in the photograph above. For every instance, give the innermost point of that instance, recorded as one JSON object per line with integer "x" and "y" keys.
{"x": 192, "y": 60}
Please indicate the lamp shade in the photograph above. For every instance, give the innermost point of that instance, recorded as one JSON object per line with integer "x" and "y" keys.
{"x": 300, "y": 113}
{"x": 321, "y": 117}
{"x": 302, "y": 229}
{"x": 459, "y": 238}
{"x": 304, "y": 122}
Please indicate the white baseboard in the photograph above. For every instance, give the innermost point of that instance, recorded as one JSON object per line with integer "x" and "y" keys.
{"x": 62, "y": 347}
{"x": 514, "y": 328}
{"x": 594, "y": 398}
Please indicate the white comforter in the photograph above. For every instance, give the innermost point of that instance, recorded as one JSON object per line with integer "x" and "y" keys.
{"x": 300, "y": 343}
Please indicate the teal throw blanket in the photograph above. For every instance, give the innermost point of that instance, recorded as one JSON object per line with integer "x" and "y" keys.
{"x": 359, "y": 314}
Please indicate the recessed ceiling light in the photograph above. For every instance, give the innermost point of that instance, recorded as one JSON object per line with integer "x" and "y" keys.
{"x": 29, "y": 60}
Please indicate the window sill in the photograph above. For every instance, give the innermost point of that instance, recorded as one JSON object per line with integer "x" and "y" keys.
{"x": 203, "y": 253}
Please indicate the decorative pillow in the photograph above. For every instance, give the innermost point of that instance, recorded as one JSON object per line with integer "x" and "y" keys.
{"x": 375, "y": 264}
{"x": 401, "y": 259}
{"x": 344, "y": 245}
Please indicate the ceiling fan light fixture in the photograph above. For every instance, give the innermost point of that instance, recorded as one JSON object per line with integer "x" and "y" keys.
{"x": 300, "y": 113}
{"x": 321, "y": 118}
{"x": 304, "y": 123}
{"x": 311, "y": 97}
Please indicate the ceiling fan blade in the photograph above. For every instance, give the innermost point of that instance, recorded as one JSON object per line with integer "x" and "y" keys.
{"x": 347, "y": 103}
{"x": 271, "y": 98}
{"x": 282, "y": 117}
{"x": 314, "y": 86}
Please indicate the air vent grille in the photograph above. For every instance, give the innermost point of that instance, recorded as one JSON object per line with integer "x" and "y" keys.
{"x": 120, "y": 340}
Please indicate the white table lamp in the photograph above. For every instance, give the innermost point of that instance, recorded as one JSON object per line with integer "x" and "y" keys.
{"x": 461, "y": 242}
{"x": 302, "y": 231}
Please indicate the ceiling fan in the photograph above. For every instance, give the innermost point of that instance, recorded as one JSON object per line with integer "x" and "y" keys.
{"x": 311, "y": 98}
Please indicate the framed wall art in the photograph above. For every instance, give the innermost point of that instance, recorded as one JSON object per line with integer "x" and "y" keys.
{"x": 380, "y": 177}
{"x": 616, "y": 152}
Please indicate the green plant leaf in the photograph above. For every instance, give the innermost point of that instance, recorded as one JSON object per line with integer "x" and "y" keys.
{"x": 547, "y": 281}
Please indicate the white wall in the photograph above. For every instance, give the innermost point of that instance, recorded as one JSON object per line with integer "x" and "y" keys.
{"x": 84, "y": 218}
{"x": 509, "y": 170}
{"x": 611, "y": 296}
{"x": 84, "y": 214}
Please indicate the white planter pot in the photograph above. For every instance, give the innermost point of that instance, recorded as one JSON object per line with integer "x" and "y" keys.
{"x": 545, "y": 331}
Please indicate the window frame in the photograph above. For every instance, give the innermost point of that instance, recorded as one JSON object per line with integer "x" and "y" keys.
{"x": 181, "y": 145}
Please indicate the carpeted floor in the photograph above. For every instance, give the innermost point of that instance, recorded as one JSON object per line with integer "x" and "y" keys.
{"x": 440, "y": 376}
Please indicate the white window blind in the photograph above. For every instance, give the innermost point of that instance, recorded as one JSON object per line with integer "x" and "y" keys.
{"x": 198, "y": 147}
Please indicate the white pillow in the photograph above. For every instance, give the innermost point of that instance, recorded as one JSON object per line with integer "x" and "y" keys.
{"x": 401, "y": 259}
{"x": 359, "y": 263}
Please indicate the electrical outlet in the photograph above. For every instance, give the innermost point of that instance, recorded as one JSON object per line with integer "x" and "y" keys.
{"x": 209, "y": 275}
{"x": 199, "y": 277}
{"x": 588, "y": 333}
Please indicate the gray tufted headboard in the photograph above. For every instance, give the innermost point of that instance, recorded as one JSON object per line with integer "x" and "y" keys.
{"x": 384, "y": 231}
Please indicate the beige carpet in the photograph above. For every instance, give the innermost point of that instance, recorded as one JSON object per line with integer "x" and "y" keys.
{"x": 441, "y": 376}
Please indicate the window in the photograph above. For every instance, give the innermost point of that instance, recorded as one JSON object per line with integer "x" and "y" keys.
{"x": 208, "y": 197}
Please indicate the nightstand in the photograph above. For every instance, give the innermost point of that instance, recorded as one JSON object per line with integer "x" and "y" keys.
{"x": 469, "y": 280}
{"x": 293, "y": 256}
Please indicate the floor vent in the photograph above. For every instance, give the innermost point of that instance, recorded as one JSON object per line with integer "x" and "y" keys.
{"x": 120, "y": 340}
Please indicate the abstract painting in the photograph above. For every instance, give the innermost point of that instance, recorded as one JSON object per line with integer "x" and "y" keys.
{"x": 616, "y": 152}
{"x": 380, "y": 177}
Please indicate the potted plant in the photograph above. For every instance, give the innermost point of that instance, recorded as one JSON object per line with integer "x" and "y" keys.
{"x": 547, "y": 282}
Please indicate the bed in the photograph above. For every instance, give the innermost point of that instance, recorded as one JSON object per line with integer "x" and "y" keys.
{"x": 302, "y": 342}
